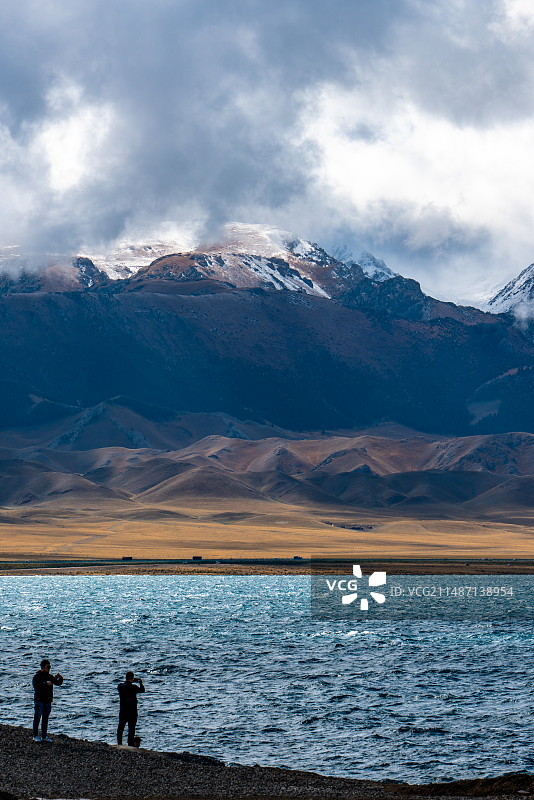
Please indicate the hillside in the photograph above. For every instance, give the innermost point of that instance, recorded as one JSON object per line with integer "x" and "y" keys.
{"x": 123, "y": 477}
{"x": 228, "y": 397}
{"x": 289, "y": 358}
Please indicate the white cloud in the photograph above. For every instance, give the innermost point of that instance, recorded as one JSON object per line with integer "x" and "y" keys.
{"x": 398, "y": 171}
{"x": 414, "y": 143}
{"x": 514, "y": 17}
{"x": 73, "y": 146}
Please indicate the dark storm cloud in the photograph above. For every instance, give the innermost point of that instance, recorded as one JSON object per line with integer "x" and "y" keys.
{"x": 123, "y": 114}
{"x": 456, "y": 62}
{"x": 204, "y": 97}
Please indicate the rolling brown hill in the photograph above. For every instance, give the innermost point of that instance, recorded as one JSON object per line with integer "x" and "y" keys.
{"x": 377, "y": 490}
{"x": 390, "y": 469}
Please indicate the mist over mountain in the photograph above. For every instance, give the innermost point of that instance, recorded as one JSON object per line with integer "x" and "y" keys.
{"x": 330, "y": 124}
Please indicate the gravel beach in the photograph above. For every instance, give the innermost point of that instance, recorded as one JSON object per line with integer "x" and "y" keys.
{"x": 73, "y": 768}
{"x": 34, "y": 565}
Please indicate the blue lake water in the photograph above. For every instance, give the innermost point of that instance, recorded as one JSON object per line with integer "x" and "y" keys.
{"x": 235, "y": 667}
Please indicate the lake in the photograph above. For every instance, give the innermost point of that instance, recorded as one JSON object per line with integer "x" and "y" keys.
{"x": 235, "y": 667}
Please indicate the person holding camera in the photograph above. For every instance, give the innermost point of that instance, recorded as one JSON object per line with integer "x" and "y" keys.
{"x": 43, "y": 684}
{"x": 128, "y": 692}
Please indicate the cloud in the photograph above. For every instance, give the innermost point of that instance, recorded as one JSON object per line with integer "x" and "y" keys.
{"x": 121, "y": 114}
{"x": 401, "y": 125}
{"x": 514, "y": 18}
{"x": 426, "y": 182}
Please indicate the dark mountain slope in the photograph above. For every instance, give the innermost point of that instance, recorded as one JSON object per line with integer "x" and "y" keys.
{"x": 297, "y": 360}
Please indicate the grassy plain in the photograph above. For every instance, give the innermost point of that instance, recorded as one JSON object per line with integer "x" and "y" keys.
{"x": 243, "y": 529}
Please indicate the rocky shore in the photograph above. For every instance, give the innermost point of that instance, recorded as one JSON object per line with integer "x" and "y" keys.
{"x": 37, "y": 566}
{"x": 72, "y": 768}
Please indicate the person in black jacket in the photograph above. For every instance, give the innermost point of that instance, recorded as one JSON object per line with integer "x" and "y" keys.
{"x": 128, "y": 692}
{"x": 43, "y": 695}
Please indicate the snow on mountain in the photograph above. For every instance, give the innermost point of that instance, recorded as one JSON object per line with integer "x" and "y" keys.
{"x": 266, "y": 256}
{"x": 126, "y": 259}
{"x": 258, "y": 240}
{"x": 375, "y": 268}
{"x": 517, "y": 296}
{"x": 242, "y": 246}
{"x": 259, "y": 255}
{"x": 246, "y": 256}
{"x": 243, "y": 270}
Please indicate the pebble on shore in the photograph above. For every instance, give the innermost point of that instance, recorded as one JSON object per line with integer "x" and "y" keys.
{"x": 74, "y": 768}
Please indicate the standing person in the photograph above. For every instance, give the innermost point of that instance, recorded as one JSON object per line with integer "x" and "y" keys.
{"x": 43, "y": 684}
{"x": 128, "y": 692}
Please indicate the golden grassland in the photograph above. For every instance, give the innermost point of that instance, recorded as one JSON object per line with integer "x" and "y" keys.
{"x": 241, "y": 529}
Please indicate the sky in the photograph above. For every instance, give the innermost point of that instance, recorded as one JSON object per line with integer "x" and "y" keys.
{"x": 400, "y": 127}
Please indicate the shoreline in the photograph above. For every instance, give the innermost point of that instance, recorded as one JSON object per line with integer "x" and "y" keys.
{"x": 38, "y": 565}
{"x": 75, "y": 768}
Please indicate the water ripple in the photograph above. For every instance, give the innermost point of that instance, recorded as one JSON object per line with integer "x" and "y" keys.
{"x": 235, "y": 668}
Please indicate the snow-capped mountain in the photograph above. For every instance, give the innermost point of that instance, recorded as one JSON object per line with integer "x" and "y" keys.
{"x": 126, "y": 259}
{"x": 249, "y": 256}
{"x": 263, "y": 326}
{"x": 517, "y": 296}
{"x": 375, "y": 268}
{"x": 246, "y": 257}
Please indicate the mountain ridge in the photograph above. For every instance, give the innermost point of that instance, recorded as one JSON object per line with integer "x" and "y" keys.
{"x": 248, "y": 256}
{"x": 299, "y": 341}
{"x": 175, "y": 461}
{"x": 516, "y": 297}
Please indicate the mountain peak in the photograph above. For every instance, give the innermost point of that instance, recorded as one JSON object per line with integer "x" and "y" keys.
{"x": 260, "y": 256}
{"x": 517, "y": 296}
{"x": 247, "y": 256}
{"x": 257, "y": 240}
{"x": 375, "y": 268}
